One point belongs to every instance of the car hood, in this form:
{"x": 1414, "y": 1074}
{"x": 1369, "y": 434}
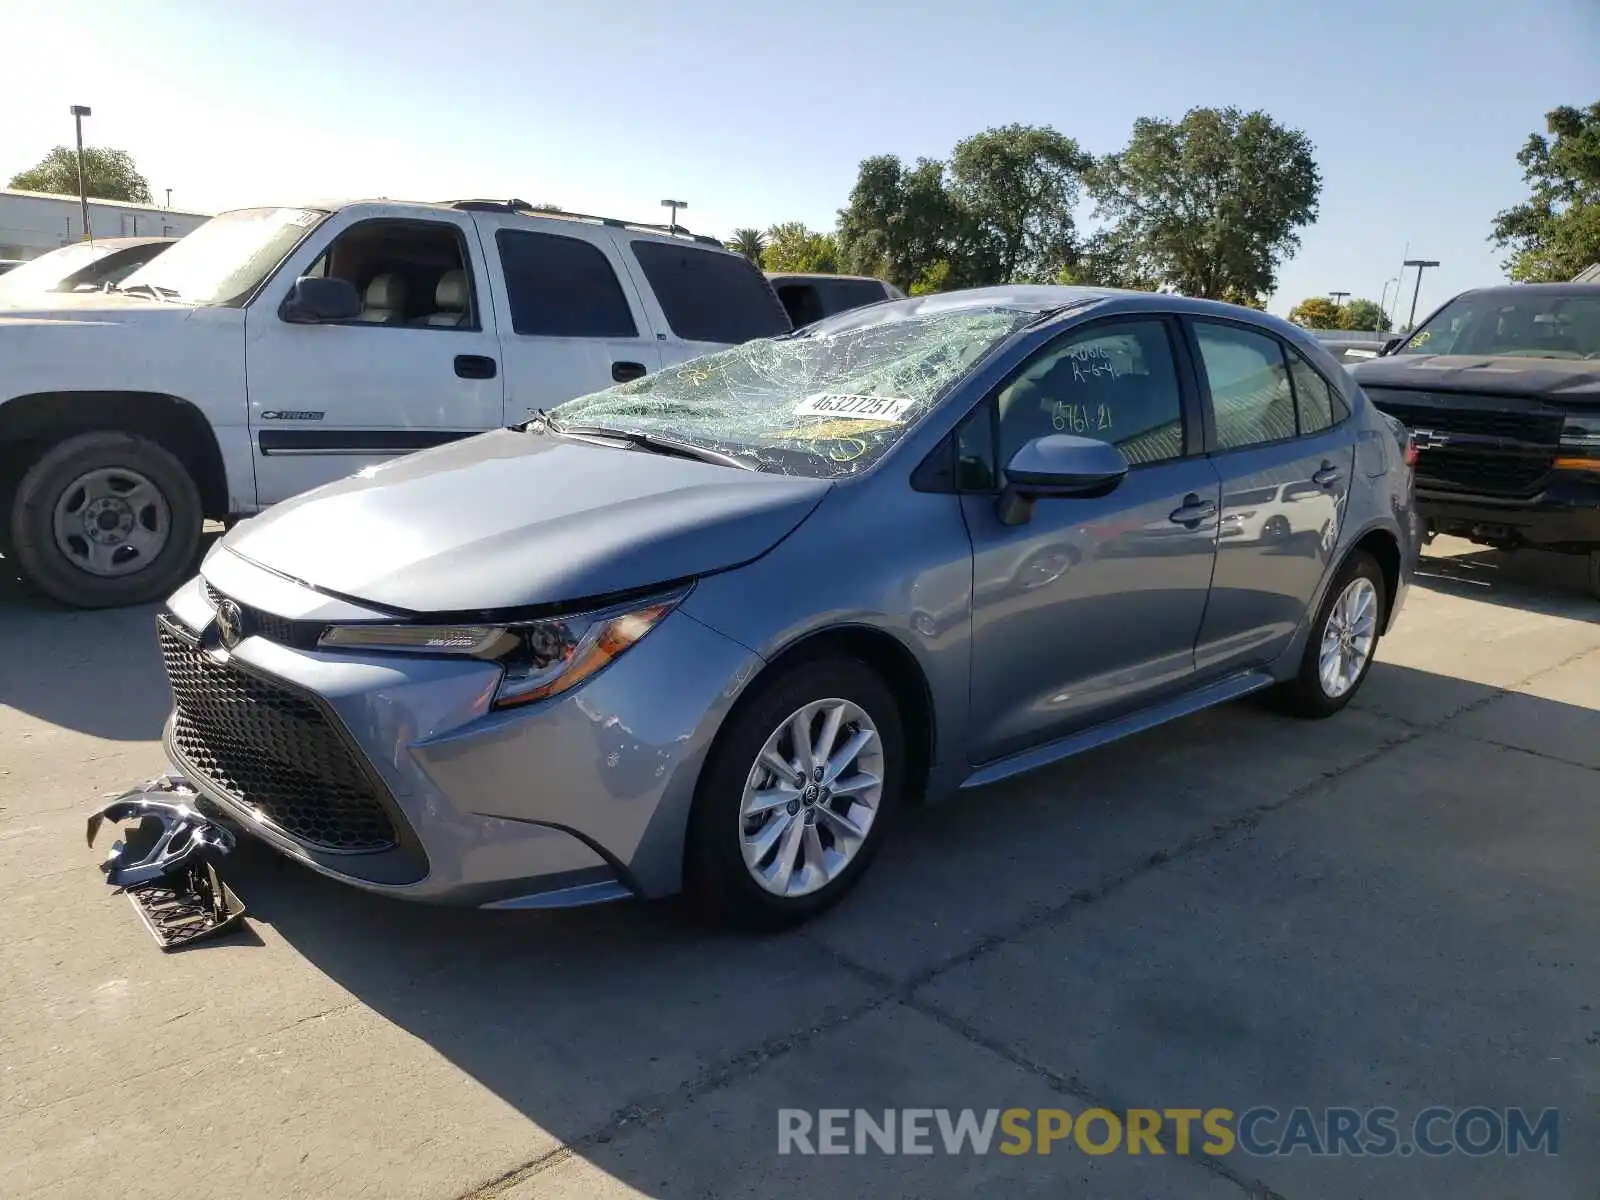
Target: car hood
{"x": 86, "y": 308}
{"x": 1557, "y": 380}
{"x": 509, "y": 520}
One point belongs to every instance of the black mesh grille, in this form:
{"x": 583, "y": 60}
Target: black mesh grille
{"x": 274, "y": 750}
{"x": 1536, "y": 429}
{"x": 264, "y": 624}
{"x": 1484, "y": 473}
{"x": 1499, "y": 453}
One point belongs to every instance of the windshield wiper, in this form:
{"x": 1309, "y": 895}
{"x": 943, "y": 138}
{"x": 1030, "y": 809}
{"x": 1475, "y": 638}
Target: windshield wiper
{"x": 149, "y": 289}
{"x": 657, "y": 443}
{"x": 538, "y": 417}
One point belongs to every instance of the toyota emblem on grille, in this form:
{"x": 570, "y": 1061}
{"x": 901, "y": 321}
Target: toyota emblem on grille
{"x": 230, "y": 623}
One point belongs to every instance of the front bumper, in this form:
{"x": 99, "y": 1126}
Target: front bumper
{"x": 581, "y": 798}
{"x": 1564, "y": 516}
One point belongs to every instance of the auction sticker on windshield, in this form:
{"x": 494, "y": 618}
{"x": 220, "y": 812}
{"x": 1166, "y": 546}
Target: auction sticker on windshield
{"x": 860, "y": 408}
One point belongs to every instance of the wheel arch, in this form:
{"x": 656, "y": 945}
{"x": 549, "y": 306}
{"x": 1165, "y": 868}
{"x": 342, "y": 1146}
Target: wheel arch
{"x": 899, "y": 668}
{"x": 31, "y": 423}
{"x": 1384, "y": 547}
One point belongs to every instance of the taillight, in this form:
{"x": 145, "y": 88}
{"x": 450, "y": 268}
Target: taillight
{"x": 1411, "y": 451}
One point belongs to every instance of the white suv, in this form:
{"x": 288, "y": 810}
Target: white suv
{"x": 276, "y": 349}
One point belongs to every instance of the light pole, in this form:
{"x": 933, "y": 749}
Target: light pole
{"x": 1420, "y": 264}
{"x": 79, "y": 112}
{"x": 674, "y": 205}
{"x": 169, "y": 198}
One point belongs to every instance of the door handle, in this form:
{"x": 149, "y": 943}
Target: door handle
{"x": 475, "y": 366}
{"x": 623, "y": 372}
{"x": 1327, "y": 476}
{"x": 1193, "y": 511}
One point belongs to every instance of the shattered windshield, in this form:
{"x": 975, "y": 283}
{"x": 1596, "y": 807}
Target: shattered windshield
{"x": 821, "y": 404}
{"x": 1535, "y": 325}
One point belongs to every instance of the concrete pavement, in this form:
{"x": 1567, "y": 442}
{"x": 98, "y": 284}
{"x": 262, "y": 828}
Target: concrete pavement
{"x": 1395, "y": 907}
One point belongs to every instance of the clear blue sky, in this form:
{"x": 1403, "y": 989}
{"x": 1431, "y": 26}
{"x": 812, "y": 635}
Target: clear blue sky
{"x": 757, "y": 113}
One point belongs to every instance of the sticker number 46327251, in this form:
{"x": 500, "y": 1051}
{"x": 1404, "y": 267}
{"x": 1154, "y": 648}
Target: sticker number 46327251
{"x": 863, "y": 408}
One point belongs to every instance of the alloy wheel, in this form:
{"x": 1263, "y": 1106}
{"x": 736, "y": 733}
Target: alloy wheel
{"x": 811, "y": 797}
{"x": 1348, "y": 637}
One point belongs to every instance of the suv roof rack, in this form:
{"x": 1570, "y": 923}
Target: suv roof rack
{"x": 523, "y": 208}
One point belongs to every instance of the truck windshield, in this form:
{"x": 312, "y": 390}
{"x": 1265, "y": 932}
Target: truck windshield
{"x": 224, "y": 260}
{"x": 827, "y": 404}
{"x": 1535, "y": 325}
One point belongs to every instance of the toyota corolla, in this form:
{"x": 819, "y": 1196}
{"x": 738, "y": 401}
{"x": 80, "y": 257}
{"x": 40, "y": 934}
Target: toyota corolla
{"x": 712, "y": 629}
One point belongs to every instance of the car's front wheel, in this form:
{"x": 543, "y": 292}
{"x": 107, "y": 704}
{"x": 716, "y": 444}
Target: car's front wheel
{"x": 1343, "y": 641}
{"x": 796, "y": 797}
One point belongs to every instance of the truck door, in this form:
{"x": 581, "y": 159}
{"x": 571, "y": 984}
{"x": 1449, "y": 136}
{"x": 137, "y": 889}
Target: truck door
{"x": 568, "y": 323}
{"x": 419, "y": 366}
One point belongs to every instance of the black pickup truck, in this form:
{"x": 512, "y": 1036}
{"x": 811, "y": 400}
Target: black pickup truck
{"x": 1500, "y": 389}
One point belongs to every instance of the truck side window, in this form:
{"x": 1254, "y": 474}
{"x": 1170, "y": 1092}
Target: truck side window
{"x": 562, "y": 287}
{"x": 710, "y": 295}
{"x": 408, "y": 273}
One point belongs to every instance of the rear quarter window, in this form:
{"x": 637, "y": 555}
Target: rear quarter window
{"x": 708, "y": 296}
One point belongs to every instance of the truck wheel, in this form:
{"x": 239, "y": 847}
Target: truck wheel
{"x": 106, "y": 519}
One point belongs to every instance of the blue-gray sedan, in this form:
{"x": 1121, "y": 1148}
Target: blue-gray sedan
{"x": 713, "y": 628}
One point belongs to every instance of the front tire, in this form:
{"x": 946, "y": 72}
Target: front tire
{"x": 1343, "y": 641}
{"x": 797, "y": 796}
{"x": 105, "y": 519}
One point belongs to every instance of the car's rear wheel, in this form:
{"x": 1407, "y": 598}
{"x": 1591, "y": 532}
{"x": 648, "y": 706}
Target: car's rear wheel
{"x": 797, "y": 796}
{"x": 105, "y": 519}
{"x": 1343, "y": 641}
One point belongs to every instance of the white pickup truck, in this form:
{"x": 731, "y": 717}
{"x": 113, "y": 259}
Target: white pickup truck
{"x": 276, "y": 349}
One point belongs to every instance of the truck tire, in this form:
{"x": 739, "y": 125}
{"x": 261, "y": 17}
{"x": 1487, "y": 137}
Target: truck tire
{"x": 105, "y": 519}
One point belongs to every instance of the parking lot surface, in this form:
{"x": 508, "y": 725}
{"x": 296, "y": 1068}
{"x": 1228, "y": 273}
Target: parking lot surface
{"x": 1396, "y": 907}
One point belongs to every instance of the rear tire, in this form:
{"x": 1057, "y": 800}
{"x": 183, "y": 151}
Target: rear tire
{"x": 827, "y": 861}
{"x": 147, "y": 500}
{"x": 1349, "y": 625}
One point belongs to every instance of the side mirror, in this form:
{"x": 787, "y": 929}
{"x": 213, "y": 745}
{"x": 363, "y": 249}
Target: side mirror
{"x": 312, "y": 300}
{"x": 1058, "y": 465}
{"x": 1388, "y": 346}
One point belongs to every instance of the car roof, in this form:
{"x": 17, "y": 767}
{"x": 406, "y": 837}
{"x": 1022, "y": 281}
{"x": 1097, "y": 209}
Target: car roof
{"x": 820, "y": 275}
{"x": 1510, "y": 291}
{"x": 516, "y": 208}
{"x": 1051, "y": 298}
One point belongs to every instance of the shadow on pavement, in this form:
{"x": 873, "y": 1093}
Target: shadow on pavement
{"x": 97, "y": 672}
{"x": 1532, "y": 580}
{"x": 592, "y": 1022}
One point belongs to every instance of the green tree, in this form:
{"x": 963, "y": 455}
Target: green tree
{"x": 1016, "y": 188}
{"x": 900, "y": 222}
{"x": 1317, "y": 312}
{"x": 793, "y": 247}
{"x": 935, "y": 279}
{"x": 107, "y": 175}
{"x": 1555, "y": 233}
{"x": 1364, "y": 314}
{"x": 748, "y": 242}
{"x": 1211, "y": 204}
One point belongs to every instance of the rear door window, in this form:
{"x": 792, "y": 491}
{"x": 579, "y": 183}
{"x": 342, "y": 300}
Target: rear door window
{"x": 708, "y": 296}
{"x": 840, "y": 295}
{"x": 562, "y": 287}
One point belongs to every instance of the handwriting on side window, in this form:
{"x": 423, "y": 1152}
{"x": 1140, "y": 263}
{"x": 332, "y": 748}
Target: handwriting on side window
{"x": 1091, "y": 361}
{"x": 1080, "y": 418}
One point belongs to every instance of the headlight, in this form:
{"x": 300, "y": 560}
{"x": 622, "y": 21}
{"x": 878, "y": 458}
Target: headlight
{"x": 540, "y": 658}
{"x": 1580, "y": 444}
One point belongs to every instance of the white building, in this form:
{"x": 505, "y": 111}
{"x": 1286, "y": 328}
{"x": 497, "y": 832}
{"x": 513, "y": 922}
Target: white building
{"x": 33, "y": 222}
